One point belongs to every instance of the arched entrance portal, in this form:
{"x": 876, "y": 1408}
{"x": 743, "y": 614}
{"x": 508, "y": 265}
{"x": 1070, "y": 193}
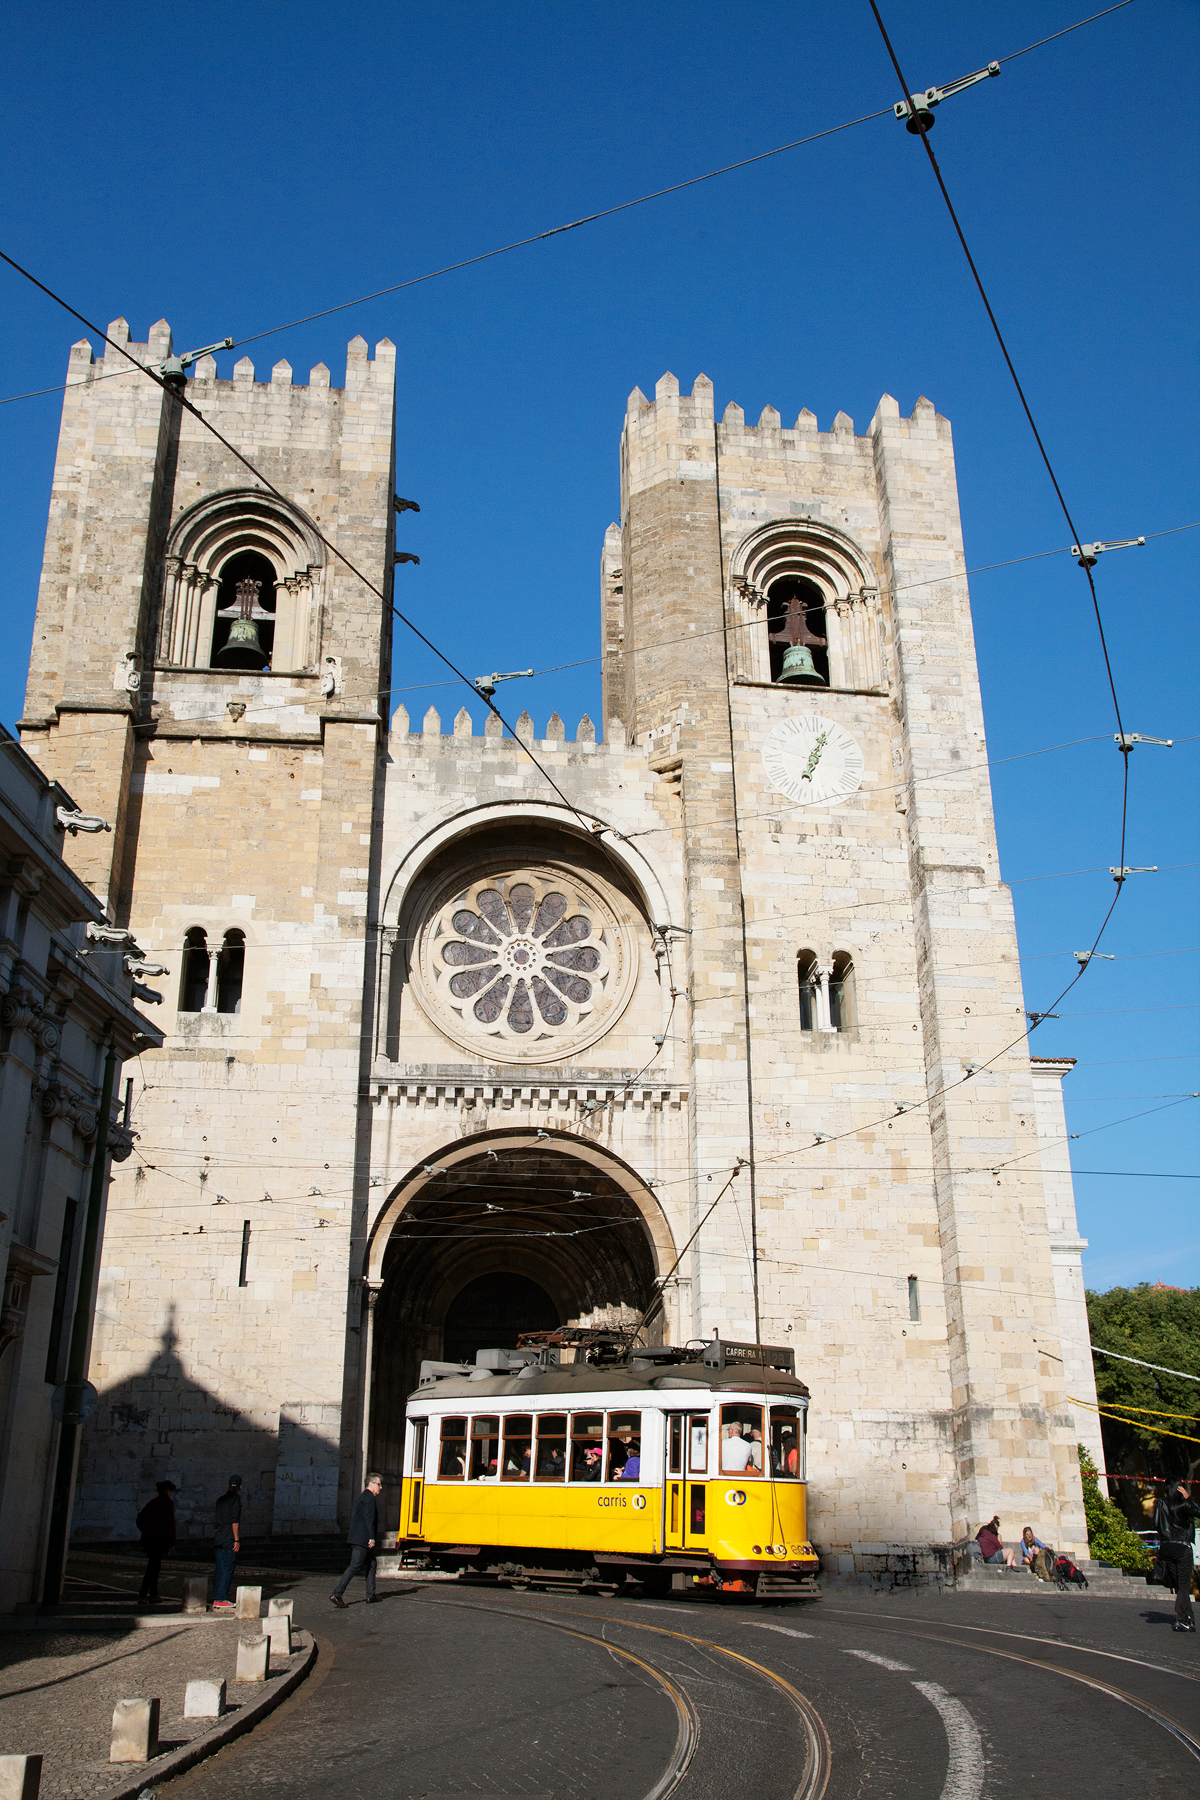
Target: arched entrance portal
{"x": 498, "y": 1236}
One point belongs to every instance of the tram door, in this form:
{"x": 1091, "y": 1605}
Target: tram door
{"x": 685, "y": 1492}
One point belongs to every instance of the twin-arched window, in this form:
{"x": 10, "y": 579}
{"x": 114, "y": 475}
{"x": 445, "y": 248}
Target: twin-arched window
{"x": 210, "y": 979}
{"x": 827, "y": 992}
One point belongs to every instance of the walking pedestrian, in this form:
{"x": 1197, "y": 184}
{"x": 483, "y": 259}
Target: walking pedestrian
{"x": 156, "y": 1522}
{"x": 227, "y": 1517}
{"x": 361, "y": 1539}
{"x": 1174, "y": 1520}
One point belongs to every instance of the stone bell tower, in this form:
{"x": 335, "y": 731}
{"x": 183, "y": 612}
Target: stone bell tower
{"x": 206, "y": 677}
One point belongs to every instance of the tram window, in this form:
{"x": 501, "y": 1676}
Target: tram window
{"x": 696, "y": 1512}
{"x": 518, "y": 1448}
{"x": 787, "y": 1450}
{"x": 420, "y": 1427}
{"x": 624, "y": 1446}
{"x": 485, "y": 1448}
{"x": 698, "y": 1445}
{"x": 453, "y": 1461}
{"x": 551, "y": 1447}
{"x": 741, "y": 1440}
{"x": 675, "y": 1446}
{"x": 587, "y": 1446}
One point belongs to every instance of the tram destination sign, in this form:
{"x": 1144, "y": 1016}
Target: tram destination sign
{"x": 722, "y": 1353}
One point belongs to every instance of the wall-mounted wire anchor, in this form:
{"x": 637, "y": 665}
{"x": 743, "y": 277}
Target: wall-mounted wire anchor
{"x": 220, "y": 1200}
{"x": 539, "y": 1133}
{"x": 668, "y": 1038}
{"x": 375, "y": 1181}
{"x": 918, "y": 114}
{"x": 820, "y": 1137}
{"x": 901, "y": 1106}
{"x": 266, "y": 1196}
{"x": 317, "y": 1192}
{"x": 429, "y": 1168}
{"x": 1119, "y": 875}
{"x": 1035, "y": 1018}
{"x": 969, "y": 1069}
{"x": 1086, "y": 554}
{"x": 581, "y": 1194}
{"x": 1126, "y": 740}
{"x": 679, "y": 993}
{"x": 1084, "y": 957}
{"x": 485, "y": 685}
{"x": 175, "y": 368}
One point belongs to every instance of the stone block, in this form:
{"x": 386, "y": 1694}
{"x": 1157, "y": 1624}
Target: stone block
{"x": 277, "y": 1628}
{"x": 195, "y": 1594}
{"x": 204, "y": 1700}
{"x": 249, "y": 1602}
{"x": 279, "y": 1608}
{"x": 134, "y": 1731}
{"x": 20, "y": 1777}
{"x": 253, "y": 1656}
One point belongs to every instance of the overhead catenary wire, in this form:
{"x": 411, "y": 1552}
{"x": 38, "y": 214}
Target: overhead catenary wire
{"x": 593, "y": 218}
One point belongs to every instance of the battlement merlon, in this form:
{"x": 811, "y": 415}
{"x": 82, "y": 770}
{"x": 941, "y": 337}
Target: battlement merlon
{"x": 672, "y": 436}
{"x": 84, "y": 367}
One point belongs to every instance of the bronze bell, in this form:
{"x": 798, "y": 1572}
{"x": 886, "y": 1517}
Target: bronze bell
{"x": 242, "y": 649}
{"x": 798, "y": 666}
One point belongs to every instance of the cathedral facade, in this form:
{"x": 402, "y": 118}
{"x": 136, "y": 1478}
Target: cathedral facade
{"x": 713, "y": 1015}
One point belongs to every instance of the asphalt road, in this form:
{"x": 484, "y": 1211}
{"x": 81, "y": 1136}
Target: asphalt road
{"x": 451, "y": 1689}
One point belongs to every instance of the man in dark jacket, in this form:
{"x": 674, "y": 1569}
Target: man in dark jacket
{"x": 227, "y": 1541}
{"x": 1174, "y": 1520}
{"x": 361, "y": 1539}
{"x": 156, "y": 1522}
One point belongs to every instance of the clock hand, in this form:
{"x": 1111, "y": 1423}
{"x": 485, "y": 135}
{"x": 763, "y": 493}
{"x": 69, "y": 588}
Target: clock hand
{"x": 814, "y": 758}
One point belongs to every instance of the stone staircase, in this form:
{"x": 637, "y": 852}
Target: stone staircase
{"x": 987, "y": 1578}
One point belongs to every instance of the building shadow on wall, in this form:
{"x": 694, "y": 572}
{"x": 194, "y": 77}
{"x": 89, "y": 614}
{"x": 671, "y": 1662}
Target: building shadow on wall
{"x": 162, "y": 1424}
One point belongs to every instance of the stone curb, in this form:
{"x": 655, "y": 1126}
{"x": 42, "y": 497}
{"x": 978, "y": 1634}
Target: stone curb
{"x": 248, "y": 1715}
{"x": 111, "y": 1622}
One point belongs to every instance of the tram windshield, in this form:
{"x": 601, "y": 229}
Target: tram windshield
{"x": 624, "y": 1446}
{"x": 518, "y": 1447}
{"x": 741, "y": 1440}
{"x": 551, "y": 1447}
{"x": 787, "y": 1443}
{"x": 485, "y": 1448}
{"x": 452, "y": 1463}
{"x": 587, "y": 1446}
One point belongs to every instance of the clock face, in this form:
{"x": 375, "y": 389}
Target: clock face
{"x": 812, "y": 760}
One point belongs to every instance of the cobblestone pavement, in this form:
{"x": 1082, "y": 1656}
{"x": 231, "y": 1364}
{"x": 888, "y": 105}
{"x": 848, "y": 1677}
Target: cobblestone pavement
{"x": 58, "y": 1691}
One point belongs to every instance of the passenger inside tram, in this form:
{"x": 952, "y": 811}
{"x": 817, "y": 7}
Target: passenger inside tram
{"x": 735, "y": 1451}
{"x": 551, "y": 1462}
{"x": 587, "y": 1446}
{"x": 633, "y": 1463}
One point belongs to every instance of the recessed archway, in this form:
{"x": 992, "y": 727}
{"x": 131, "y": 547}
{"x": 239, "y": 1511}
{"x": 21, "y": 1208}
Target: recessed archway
{"x": 538, "y": 1224}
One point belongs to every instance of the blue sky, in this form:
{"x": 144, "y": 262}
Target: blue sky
{"x": 234, "y": 167}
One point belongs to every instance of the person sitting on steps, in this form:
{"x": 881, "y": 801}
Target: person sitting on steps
{"x": 992, "y": 1544}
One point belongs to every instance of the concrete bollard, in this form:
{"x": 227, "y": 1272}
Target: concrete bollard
{"x": 195, "y": 1594}
{"x": 253, "y": 1657}
{"x": 279, "y": 1609}
{"x": 20, "y": 1777}
{"x": 134, "y": 1731}
{"x": 204, "y": 1700}
{"x": 249, "y": 1602}
{"x": 278, "y": 1628}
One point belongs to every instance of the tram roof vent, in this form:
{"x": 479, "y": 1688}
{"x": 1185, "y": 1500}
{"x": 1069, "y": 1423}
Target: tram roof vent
{"x": 442, "y": 1371}
{"x": 723, "y": 1353}
{"x": 503, "y": 1362}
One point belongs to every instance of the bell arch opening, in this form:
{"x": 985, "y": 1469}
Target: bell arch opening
{"x": 508, "y": 1237}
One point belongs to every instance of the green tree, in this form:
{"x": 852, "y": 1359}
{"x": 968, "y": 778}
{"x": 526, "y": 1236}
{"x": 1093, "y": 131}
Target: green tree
{"x": 1109, "y": 1538}
{"x": 1157, "y": 1325}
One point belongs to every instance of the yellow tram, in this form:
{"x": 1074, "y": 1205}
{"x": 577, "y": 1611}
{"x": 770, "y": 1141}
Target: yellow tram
{"x": 668, "y": 1466}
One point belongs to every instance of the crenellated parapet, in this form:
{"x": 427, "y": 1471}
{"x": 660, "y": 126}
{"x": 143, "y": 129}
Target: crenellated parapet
{"x": 493, "y": 735}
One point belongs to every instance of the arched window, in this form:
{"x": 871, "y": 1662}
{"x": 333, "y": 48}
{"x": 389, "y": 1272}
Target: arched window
{"x": 796, "y": 633}
{"x": 244, "y": 626}
{"x": 228, "y": 539}
{"x": 810, "y": 981}
{"x": 842, "y": 1013}
{"x": 193, "y": 977}
{"x": 231, "y": 965}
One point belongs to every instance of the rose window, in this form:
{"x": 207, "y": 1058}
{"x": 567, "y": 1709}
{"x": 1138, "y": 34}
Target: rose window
{"x": 524, "y": 963}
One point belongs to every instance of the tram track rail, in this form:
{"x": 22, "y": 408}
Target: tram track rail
{"x": 1148, "y": 1711}
{"x": 818, "y": 1748}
